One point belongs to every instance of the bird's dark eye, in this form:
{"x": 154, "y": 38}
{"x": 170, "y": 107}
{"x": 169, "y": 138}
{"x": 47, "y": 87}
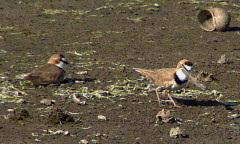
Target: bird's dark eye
{"x": 188, "y": 63}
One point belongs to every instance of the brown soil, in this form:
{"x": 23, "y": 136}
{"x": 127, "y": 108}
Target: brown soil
{"x": 104, "y": 40}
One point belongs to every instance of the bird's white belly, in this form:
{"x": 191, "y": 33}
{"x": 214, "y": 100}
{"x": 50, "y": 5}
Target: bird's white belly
{"x": 176, "y": 86}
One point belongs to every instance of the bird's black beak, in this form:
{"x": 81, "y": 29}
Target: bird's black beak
{"x": 64, "y": 60}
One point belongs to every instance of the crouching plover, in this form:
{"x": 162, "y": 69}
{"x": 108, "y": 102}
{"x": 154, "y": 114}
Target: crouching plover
{"x": 172, "y": 79}
{"x": 50, "y": 73}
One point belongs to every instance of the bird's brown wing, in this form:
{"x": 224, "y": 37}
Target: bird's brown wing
{"x": 47, "y": 74}
{"x": 161, "y": 77}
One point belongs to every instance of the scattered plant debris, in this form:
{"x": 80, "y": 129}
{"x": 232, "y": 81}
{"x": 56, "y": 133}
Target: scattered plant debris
{"x": 59, "y": 116}
{"x": 205, "y": 76}
{"x": 165, "y": 116}
{"x": 177, "y": 133}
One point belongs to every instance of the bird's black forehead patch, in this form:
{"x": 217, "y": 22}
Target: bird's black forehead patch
{"x": 188, "y": 63}
{"x": 61, "y": 55}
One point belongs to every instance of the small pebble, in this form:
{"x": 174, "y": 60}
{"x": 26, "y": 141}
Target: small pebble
{"x": 10, "y": 110}
{"x": 47, "y": 102}
{"x": 120, "y": 106}
{"x": 234, "y": 126}
{"x": 164, "y": 116}
{"x": 213, "y": 120}
{"x": 156, "y": 5}
{"x": 66, "y": 133}
{"x": 3, "y": 78}
{"x": 123, "y": 99}
{"x": 21, "y": 101}
{"x": 37, "y": 140}
{"x": 222, "y": 60}
{"x": 83, "y": 141}
{"x": 94, "y": 141}
{"x": 176, "y": 132}
{"x": 234, "y": 116}
{"x": 102, "y": 118}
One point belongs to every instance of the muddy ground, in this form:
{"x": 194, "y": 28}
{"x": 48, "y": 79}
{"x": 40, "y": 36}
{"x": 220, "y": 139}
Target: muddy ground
{"x": 104, "y": 40}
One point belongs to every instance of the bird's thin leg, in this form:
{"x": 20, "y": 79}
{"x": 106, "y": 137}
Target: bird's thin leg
{"x": 156, "y": 90}
{"x": 169, "y": 96}
{"x": 149, "y": 88}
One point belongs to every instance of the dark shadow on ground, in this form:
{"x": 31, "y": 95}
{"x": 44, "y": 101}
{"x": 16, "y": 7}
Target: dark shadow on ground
{"x": 72, "y": 80}
{"x": 233, "y": 29}
{"x": 193, "y": 102}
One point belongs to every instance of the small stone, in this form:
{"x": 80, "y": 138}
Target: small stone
{"x": 120, "y": 106}
{"x": 83, "y": 141}
{"x": 47, "y": 102}
{"x": 37, "y": 140}
{"x": 176, "y": 132}
{"x": 35, "y": 134}
{"x": 3, "y": 79}
{"x": 10, "y": 110}
{"x": 234, "y": 116}
{"x": 66, "y": 133}
{"x": 204, "y": 114}
{"x": 234, "y": 126}
{"x": 83, "y": 103}
{"x": 100, "y": 135}
{"x": 165, "y": 116}
{"x": 102, "y": 118}
{"x": 156, "y": 5}
{"x": 21, "y": 101}
{"x": 94, "y": 141}
{"x": 205, "y": 76}
{"x": 20, "y": 2}
{"x": 123, "y": 99}
{"x": 1, "y": 37}
{"x": 213, "y": 120}
{"x": 222, "y": 60}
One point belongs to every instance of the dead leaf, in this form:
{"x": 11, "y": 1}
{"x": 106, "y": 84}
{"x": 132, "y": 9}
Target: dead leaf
{"x": 165, "y": 116}
{"x": 205, "y": 76}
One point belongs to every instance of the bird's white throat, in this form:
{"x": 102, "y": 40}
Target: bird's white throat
{"x": 181, "y": 75}
{"x": 188, "y": 68}
{"x": 60, "y": 65}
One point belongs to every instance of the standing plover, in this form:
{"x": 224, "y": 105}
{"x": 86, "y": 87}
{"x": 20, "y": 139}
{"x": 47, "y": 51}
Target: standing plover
{"x": 171, "y": 79}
